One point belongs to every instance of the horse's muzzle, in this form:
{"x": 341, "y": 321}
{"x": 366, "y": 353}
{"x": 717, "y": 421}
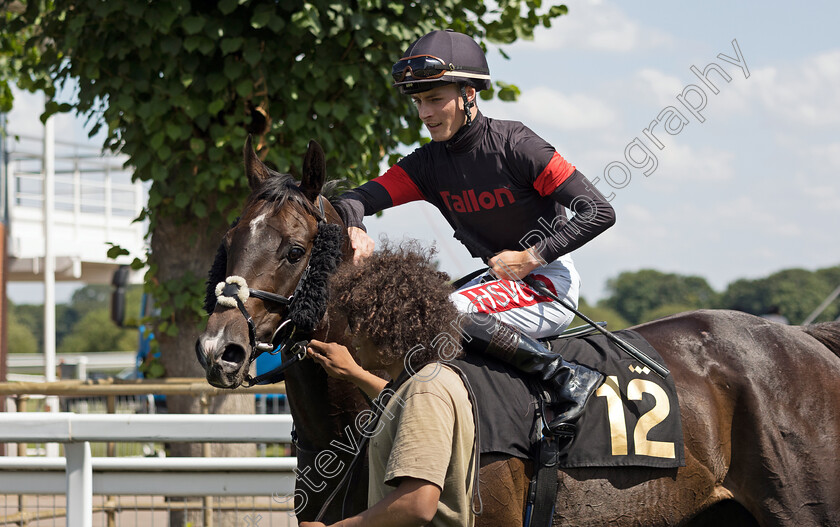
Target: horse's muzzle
{"x": 223, "y": 370}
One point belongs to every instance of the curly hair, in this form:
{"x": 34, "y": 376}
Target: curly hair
{"x": 398, "y": 298}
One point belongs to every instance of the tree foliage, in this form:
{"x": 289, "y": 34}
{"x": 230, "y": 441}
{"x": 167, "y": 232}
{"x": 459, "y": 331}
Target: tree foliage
{"x": 599, "y": 314}
{"x": 636, "y": 294}
{"x": 82, "y": 325}
{"x": 20, "y": 338}
{"x": 793, "y": 293}
{"x": 95, "y": 332}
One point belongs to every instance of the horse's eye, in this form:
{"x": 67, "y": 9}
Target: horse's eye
{"x": 295, "y": 254}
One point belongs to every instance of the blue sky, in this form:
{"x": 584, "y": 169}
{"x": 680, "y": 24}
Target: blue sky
{"x": 749, "y": 191}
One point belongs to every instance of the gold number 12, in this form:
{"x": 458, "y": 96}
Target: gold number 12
{"x": 651, "y": 418}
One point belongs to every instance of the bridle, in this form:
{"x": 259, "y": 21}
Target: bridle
{"x": 234, "y": 291}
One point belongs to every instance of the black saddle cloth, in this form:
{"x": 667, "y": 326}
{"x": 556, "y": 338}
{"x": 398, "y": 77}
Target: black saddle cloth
{"x": 643, "y": 430}
{"x": 506, "y": 405}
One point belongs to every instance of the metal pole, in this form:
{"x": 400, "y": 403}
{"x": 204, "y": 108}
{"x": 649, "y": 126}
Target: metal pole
{"x": 820, "y": 308}
{"x": 21, "y": 407}
{"x": 205, "y": 452}
{"x": 49, "y": 267}
{"x": 111, "y": 514}
{"x": 3, "y": 225}
{"x": 79, "y": 484}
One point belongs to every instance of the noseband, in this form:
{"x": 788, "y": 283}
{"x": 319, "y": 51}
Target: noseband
{"x": 233, "y": 292}
{"x": 305, "y": 307}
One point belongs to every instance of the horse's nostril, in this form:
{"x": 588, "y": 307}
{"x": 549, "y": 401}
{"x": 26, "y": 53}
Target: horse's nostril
{"x": 234, "y": 353}
{"x": 199, "y": 353}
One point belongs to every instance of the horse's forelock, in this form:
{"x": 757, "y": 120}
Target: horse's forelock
{"x": 278, "y": 191}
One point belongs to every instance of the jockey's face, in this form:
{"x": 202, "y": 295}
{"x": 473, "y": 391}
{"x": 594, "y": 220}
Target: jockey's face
{"x": 442, "y": 110}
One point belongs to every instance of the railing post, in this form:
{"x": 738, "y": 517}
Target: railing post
{"x": 21, "y": 407}
{"x": 79, "y": 484}
{"x": 110, "y": 501}
{"x": 205, "y": 452}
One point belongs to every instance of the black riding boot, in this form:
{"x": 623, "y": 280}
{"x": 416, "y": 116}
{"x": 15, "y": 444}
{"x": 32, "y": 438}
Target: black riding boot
{"x": 570, "y": 385}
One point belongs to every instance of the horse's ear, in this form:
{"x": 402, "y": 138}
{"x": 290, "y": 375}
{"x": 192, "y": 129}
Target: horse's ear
{"x": 255, "y": 169}
{"x": 314, "y": 171}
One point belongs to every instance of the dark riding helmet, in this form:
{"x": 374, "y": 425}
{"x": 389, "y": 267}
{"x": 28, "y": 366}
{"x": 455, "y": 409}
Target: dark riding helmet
{"x": 439, "y": 58}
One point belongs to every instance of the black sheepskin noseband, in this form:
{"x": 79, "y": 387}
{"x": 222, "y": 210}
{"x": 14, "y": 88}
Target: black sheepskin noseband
{"x": 310, "y": 300}
{"x": 310, "y": 304}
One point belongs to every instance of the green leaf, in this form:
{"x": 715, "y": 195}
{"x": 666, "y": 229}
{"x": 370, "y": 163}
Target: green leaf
{"x": 174, "y": 131}
{"x": 252, "y": 53}
{"x": 322, "y": 107}
{"x": 216, "y": 82}
{"x": 115, "y": 251}
{"x": 340, "y": 111}
{"x": 233, "y": 69}
{"x": 216, "y": 106}
{"x": 170, "y": 45}
{"x": 199, "y": 209}
{"x": 262, "y": 16}
{"x": 156, "y": 140}
{"x": 508, "y": 92}
{"x": 192, "y": 43}
{"x": 244, "y": 87}
{"x": 229, "y": 45}
{"x": 192, "y": 24}
{"x": 197, "y": 145}
{"x": 227, "y": 6}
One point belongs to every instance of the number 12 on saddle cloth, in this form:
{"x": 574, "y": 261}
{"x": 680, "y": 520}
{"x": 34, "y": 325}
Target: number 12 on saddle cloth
{"x": 633, "y": 419}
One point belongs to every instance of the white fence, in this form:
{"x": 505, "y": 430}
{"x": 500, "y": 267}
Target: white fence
{"x": 80, "y": 476}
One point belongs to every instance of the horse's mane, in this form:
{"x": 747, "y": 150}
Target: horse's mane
{"x": 280, "y": 188}
{"x": 828, "y": 333}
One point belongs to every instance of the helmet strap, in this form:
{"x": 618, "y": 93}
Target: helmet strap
{"x": 468, "y": 105}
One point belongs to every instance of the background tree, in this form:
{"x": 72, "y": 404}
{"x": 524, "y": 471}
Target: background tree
{"x": 794, "y": 293}
{"x": 599, "y": 313}
{"x": 20, "y": 337}
{"x": 635, "y": 294}
{"x": 95, "y": 332}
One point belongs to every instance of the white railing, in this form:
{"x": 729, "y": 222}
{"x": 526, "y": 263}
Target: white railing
{"x": 80, "y": 476}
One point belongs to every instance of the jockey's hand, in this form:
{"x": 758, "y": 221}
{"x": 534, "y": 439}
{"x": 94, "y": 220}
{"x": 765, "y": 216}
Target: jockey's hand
{"x": 513, "y": 265}
{"x": 312, "y": 524}
{"x": 362, "y": 244}
{"x": 334, "y": 358}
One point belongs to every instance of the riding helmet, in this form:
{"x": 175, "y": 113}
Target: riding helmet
{"x": 448, "y": 57}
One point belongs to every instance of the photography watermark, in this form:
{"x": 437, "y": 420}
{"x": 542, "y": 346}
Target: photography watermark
{"x": 327, "y": 463}
{"x": 671, "y": 120}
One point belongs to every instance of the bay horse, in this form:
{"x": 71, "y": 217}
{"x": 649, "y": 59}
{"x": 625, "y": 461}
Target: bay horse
{"x": 758, "y": 400}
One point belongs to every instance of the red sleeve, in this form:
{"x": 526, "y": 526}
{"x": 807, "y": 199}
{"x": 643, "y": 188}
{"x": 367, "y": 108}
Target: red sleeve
{"x": 399, "y": 186}
{"x": 554, "y": 174}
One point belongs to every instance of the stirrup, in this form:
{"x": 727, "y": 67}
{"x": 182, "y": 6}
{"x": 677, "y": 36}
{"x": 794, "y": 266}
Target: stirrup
{"x": 560, "y": 430}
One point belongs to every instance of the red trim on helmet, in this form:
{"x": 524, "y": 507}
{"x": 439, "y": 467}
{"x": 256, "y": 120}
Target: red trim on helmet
{"x": 554, "y": 174}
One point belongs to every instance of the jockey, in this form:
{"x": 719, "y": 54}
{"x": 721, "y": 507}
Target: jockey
{"x": 505, "y": 192}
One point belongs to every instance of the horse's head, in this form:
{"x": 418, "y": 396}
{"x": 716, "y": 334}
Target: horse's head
{"x": 267, "y": 288}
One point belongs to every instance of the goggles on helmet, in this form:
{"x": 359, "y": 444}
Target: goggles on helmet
{"x": 420, "y": 66}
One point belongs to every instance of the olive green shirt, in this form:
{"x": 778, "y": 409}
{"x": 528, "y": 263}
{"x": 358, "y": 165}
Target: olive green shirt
{"x": 427, "y": 432}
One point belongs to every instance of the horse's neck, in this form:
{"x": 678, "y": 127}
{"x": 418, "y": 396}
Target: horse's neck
{"x": 322, "y": 407}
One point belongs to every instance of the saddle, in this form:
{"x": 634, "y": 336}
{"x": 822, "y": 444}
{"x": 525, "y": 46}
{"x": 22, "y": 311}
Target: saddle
{"x": 632, "y": 420}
